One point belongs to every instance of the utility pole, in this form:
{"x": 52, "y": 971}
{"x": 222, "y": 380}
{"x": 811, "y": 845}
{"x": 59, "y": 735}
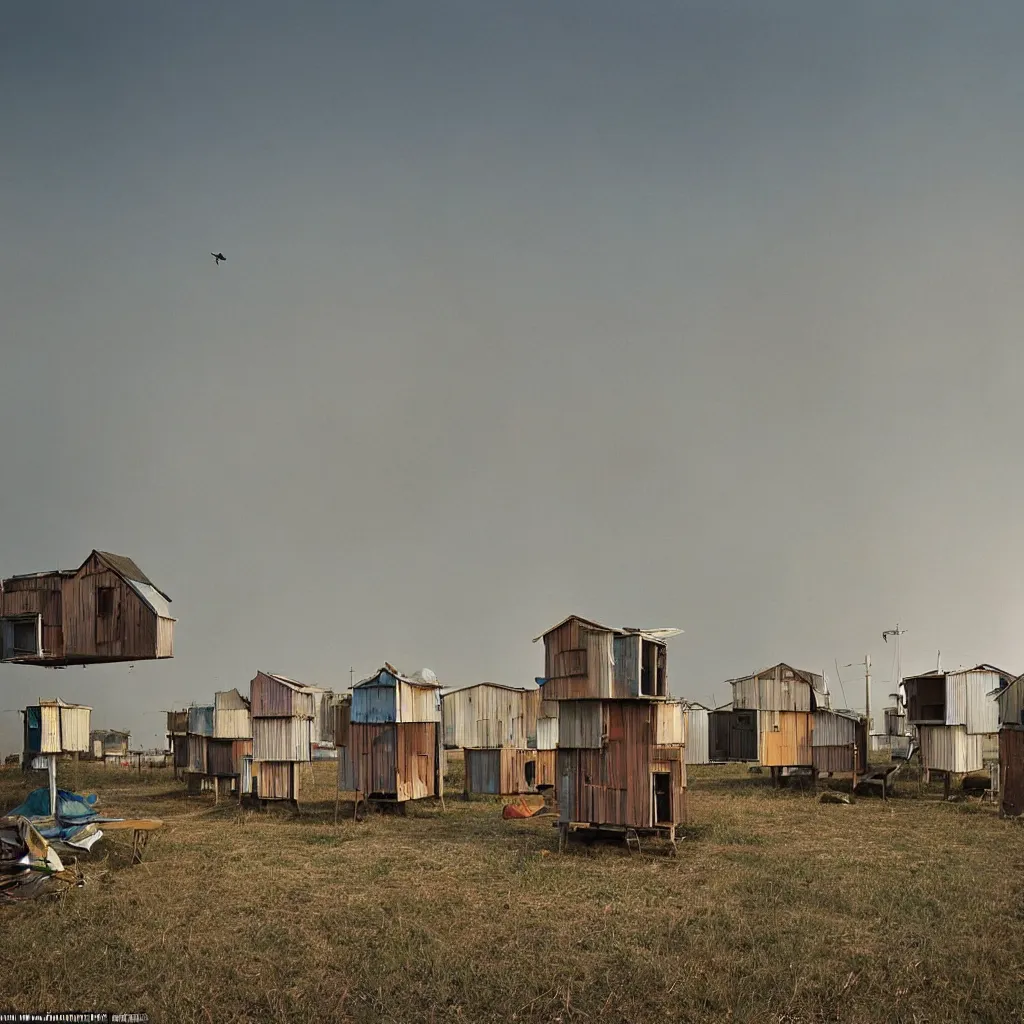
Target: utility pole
{"x": 351, "y": 676}
{"x": 867, "y": 690}
{"x": 897, "y": 632}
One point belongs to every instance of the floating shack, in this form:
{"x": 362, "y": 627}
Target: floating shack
{"x": 107, "y": 610}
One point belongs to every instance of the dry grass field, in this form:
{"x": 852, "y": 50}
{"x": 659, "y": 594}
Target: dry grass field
{"x": 778, "y": 908}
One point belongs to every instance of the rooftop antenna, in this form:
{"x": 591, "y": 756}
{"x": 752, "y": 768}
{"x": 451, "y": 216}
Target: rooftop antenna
{"x": 938, "y": 661}
{"x": 351, "y": 676}
{"x": 897, "y": 632}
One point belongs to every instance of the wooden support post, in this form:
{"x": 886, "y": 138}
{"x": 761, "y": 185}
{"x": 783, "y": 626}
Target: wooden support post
{"x": 853, "y": 787}
{"x": 946, "y": 785}
{"x": 51, "y": 767}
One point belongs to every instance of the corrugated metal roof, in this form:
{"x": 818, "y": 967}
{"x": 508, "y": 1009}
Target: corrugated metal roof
{"x": 124, "y": 566}
{"x": 390, "y": 670}
{"x": 656, "y": 634}
{"x": 153, "y": 598}
{"x": 292, "y": 684}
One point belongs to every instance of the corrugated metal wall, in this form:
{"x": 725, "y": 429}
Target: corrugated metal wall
{"x": 418, "y": 703}
{"x": 231, "y": 718}
{"x": 508, "y": 710}
{"x": 547, "y": 733}
{"x": 49, "y": 722}
{"x": 785, "y": 740}
{"x": 224, "y": 757}
{"x": 281, "y": 739}
{"x": 627, "y": 666}
{"x": 775, "y": 689}
{"x": 1011, "y": 704}
{"x": 200, "y": 720}
{"x": 197, "y": 764}
{"x": 600, "y": 663}
{"x": 272, "y": 698}
{"x": 374, "y": 705}
{"x": 397, "y": 760}
{"x": 277, "y": 780}
{"x": 669, "y": 724}
{"x": 483, "y": 771}
{"x": 949, "y": 748}
{"x": 697, "y": 736}
{"x": 982, "y": 711}
{"x": 613, "y": 785}
{"x": 832, "y": 730}
{"x": 1011, "y": 771}
{"x": 580, "y": 724}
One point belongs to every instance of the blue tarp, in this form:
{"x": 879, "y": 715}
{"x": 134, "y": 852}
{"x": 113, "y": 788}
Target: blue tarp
{"x": 73, "y": 812}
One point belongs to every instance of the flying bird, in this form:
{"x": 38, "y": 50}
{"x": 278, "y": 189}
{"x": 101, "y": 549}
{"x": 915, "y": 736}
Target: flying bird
{"x": 218, "y": 256}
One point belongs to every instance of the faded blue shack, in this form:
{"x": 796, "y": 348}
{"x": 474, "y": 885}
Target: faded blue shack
{"x": 392, "y": 743}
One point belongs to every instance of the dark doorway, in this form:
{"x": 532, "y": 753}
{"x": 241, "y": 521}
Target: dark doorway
{"x": 661, "y": 783}
{"x": 530, "y": 772}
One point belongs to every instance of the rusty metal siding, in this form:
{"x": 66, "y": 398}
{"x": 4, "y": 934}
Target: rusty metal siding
{"x": 580, "y": 724}
{"x": 224, "y": 757}
{"x": 600, "y": 662}
{"x": 342, "y": 721}
{"x": 281, "y": 739}
{"x": 950, "y": 748}
{"x": 1011, "y": 771}
{"x": 697, "y": 736}
{"x": 277, "y": 780}
{"x": 272, "y": 697}
{"x": 612, "y": 785}
{"x": 397, "y": 760}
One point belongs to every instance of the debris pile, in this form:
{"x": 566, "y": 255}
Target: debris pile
{"x": 29, "y": 866}
{"x": 76, "y": 823}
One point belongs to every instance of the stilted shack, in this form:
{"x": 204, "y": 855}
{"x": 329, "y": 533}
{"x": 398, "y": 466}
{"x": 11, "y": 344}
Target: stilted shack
{"x": 620, "y": 760}
{"x": 393, "y": 750}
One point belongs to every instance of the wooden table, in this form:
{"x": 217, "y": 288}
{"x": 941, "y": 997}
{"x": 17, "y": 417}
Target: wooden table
{"x": 140, "y": 829}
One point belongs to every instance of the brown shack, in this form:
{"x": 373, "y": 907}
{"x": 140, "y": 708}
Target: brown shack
{"x": 107, "y": 610}
{"x": 393, "y": 750}
{"x": 620, "y": 760}
{"x": 1011, "y": 749}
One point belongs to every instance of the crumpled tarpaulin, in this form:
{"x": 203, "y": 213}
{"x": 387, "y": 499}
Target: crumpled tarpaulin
{"x": 29, "y": 866}
{"x": 76, "y": 822}
{"x": 523, "y": 808}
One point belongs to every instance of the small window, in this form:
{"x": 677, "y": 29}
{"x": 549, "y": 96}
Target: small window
{"x": 104, "y": 602}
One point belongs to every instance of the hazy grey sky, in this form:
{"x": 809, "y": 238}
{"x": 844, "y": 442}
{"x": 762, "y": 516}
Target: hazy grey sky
{"x": 679, "y": 314}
